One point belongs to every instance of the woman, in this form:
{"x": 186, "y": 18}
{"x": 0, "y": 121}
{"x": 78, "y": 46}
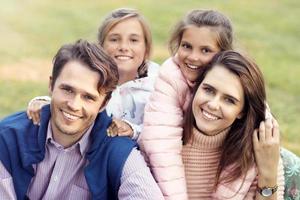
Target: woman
{"x": 227, "y": 111}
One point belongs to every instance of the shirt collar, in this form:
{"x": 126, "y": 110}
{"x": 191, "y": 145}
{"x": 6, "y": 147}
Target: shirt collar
{"x": 83, "y": 144}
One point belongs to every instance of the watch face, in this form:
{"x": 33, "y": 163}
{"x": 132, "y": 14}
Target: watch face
{"x": 266, "y": 192}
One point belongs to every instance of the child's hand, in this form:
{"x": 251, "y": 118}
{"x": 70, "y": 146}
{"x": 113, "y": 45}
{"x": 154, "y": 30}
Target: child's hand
{"x": 119, "y": 128}
{"x": 34, "y": 110}
{"x": 266, "y": 142}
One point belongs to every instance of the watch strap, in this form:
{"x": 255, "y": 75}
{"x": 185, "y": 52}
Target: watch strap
{"x": 272, "y": 189}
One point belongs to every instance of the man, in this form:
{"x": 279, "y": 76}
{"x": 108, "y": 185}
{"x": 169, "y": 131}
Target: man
{"x": 69, "y": 156}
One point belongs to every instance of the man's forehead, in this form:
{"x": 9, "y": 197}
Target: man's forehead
{"x": 79, "y": 76}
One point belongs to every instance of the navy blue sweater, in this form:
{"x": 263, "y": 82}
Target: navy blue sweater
{"x": 22, "y": 144}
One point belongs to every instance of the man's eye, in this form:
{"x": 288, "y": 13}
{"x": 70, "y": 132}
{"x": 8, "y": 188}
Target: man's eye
{"x": 88, "y": 97}
{"x": 67, "y": 90}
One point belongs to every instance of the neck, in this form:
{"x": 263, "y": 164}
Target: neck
{"x": 125, "y": 78}
{"x": 65, "y": 139}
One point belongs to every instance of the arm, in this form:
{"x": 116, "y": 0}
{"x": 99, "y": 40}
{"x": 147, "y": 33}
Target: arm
{"x": 120, "y": 127}
{"x": 266, "y": 143}
{"x": 34, "y": 107}
{"x": 137, "y": 181}
{"x": 162, "y": 131}
{"x": 7, "y": 190}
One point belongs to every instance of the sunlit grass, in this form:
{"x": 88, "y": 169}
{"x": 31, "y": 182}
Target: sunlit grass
{"x": 268, "y": 30}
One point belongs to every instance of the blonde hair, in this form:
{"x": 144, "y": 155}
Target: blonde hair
{"x": 204, "y": 18}
{"x": 120, "y": 15}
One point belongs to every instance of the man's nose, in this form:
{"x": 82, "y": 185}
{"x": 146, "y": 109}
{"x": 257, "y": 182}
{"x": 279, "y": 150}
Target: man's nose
{"x": 75, "y": 103}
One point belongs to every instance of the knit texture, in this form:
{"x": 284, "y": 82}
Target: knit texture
{"x": 201, "y": 157}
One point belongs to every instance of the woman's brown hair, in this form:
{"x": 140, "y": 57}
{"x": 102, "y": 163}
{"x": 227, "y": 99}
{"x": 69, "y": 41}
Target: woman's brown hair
{"x": 237, "y": 149}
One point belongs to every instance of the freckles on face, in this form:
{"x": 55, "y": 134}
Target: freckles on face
{"x": 125, "y": 43}
{"x": 219, "y": 101}
{"x": 197, "y": 47}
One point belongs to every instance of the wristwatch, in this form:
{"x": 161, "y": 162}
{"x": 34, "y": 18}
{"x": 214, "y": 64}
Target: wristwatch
{"x": 267, "y": 191}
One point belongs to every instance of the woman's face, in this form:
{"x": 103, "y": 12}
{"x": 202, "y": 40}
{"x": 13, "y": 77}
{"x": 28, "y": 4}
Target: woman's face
{"x": 125, "y": 43}
{"x": 218, "y": 102}
{"x": 197, "y": 47}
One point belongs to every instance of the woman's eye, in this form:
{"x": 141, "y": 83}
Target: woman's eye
{"x": 206, "y": 50}
{"x": 186, "y": 46}
{"x": 230, "y": 100}
{"x": 208, "y": 90}
{"x": 134, "y": 40}
{"x": 113, "y": 39}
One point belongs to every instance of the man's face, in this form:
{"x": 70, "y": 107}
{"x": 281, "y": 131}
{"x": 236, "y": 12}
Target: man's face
{"x": 75, "y": 102}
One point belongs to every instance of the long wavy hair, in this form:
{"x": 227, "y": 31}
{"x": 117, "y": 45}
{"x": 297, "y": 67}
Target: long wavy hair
{"x": 237, "y": 149}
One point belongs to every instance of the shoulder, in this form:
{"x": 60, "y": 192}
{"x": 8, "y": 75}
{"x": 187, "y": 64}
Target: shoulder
{"x": 153, "y": 69}
{"x": 15, "y": 122}
{"x": 121, "y": 145}
{"x": 169, "y": 64}
{"x": 171, "y": 72}
{"x": 171, "y": 81}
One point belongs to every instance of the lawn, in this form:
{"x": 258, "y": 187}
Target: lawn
{"x": 31, "y": 31}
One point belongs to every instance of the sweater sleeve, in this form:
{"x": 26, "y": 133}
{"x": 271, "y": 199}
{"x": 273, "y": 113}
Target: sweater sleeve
{"x": 246, "y": 190}
{"x": 280, "y": 182}
{"x": 162, "y": 132}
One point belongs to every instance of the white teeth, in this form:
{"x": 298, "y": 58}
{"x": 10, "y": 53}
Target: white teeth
{"x": 70, "y": 117}
{"x": 209, "y": 116}
{"x": 192, "y": 66}
{"x": 123, "y": 57}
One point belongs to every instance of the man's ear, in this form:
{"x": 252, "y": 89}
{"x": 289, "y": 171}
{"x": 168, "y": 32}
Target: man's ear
{"x": 105, "y": 102}
{"x": 50, "y": 88}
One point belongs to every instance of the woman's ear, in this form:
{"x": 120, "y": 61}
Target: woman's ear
{"x": 241, "y": 115}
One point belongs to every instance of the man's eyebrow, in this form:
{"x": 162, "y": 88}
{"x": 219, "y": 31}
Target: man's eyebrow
{"x": 91, "y": 95}
{"x": 63, "y": 85}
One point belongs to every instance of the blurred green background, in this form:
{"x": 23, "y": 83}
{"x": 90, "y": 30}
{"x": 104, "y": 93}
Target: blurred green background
{"x": 31, "y": 31}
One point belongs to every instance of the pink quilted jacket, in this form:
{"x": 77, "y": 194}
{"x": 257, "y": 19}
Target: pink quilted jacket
{"x": 161, "y": 142}
{"x": 161, "y": 137}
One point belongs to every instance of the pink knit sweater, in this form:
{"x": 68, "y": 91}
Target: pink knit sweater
{"x": 201, "y": 156}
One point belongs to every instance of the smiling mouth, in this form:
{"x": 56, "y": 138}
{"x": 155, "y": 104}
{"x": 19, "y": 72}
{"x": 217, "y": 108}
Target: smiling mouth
{"x": 70, "y": 117}
{"x": 209, "y": 116}
{"x": 193, "y": 67}
{"x": 123, "y": 58}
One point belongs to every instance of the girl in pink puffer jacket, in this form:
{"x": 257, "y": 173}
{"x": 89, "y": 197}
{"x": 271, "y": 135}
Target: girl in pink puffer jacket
{"x": 194, "y": 42}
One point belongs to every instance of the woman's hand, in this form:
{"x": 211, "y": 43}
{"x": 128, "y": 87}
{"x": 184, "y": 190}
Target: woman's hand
{"x": 119, "y": 128}
{"x": 34, "y": 109}
{"x": 266, "y": 141}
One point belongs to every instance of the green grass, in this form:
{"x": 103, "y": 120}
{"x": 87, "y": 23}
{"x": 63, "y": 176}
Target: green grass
{"x": 268, "y": 30}
{"x": 16, "y": 95}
